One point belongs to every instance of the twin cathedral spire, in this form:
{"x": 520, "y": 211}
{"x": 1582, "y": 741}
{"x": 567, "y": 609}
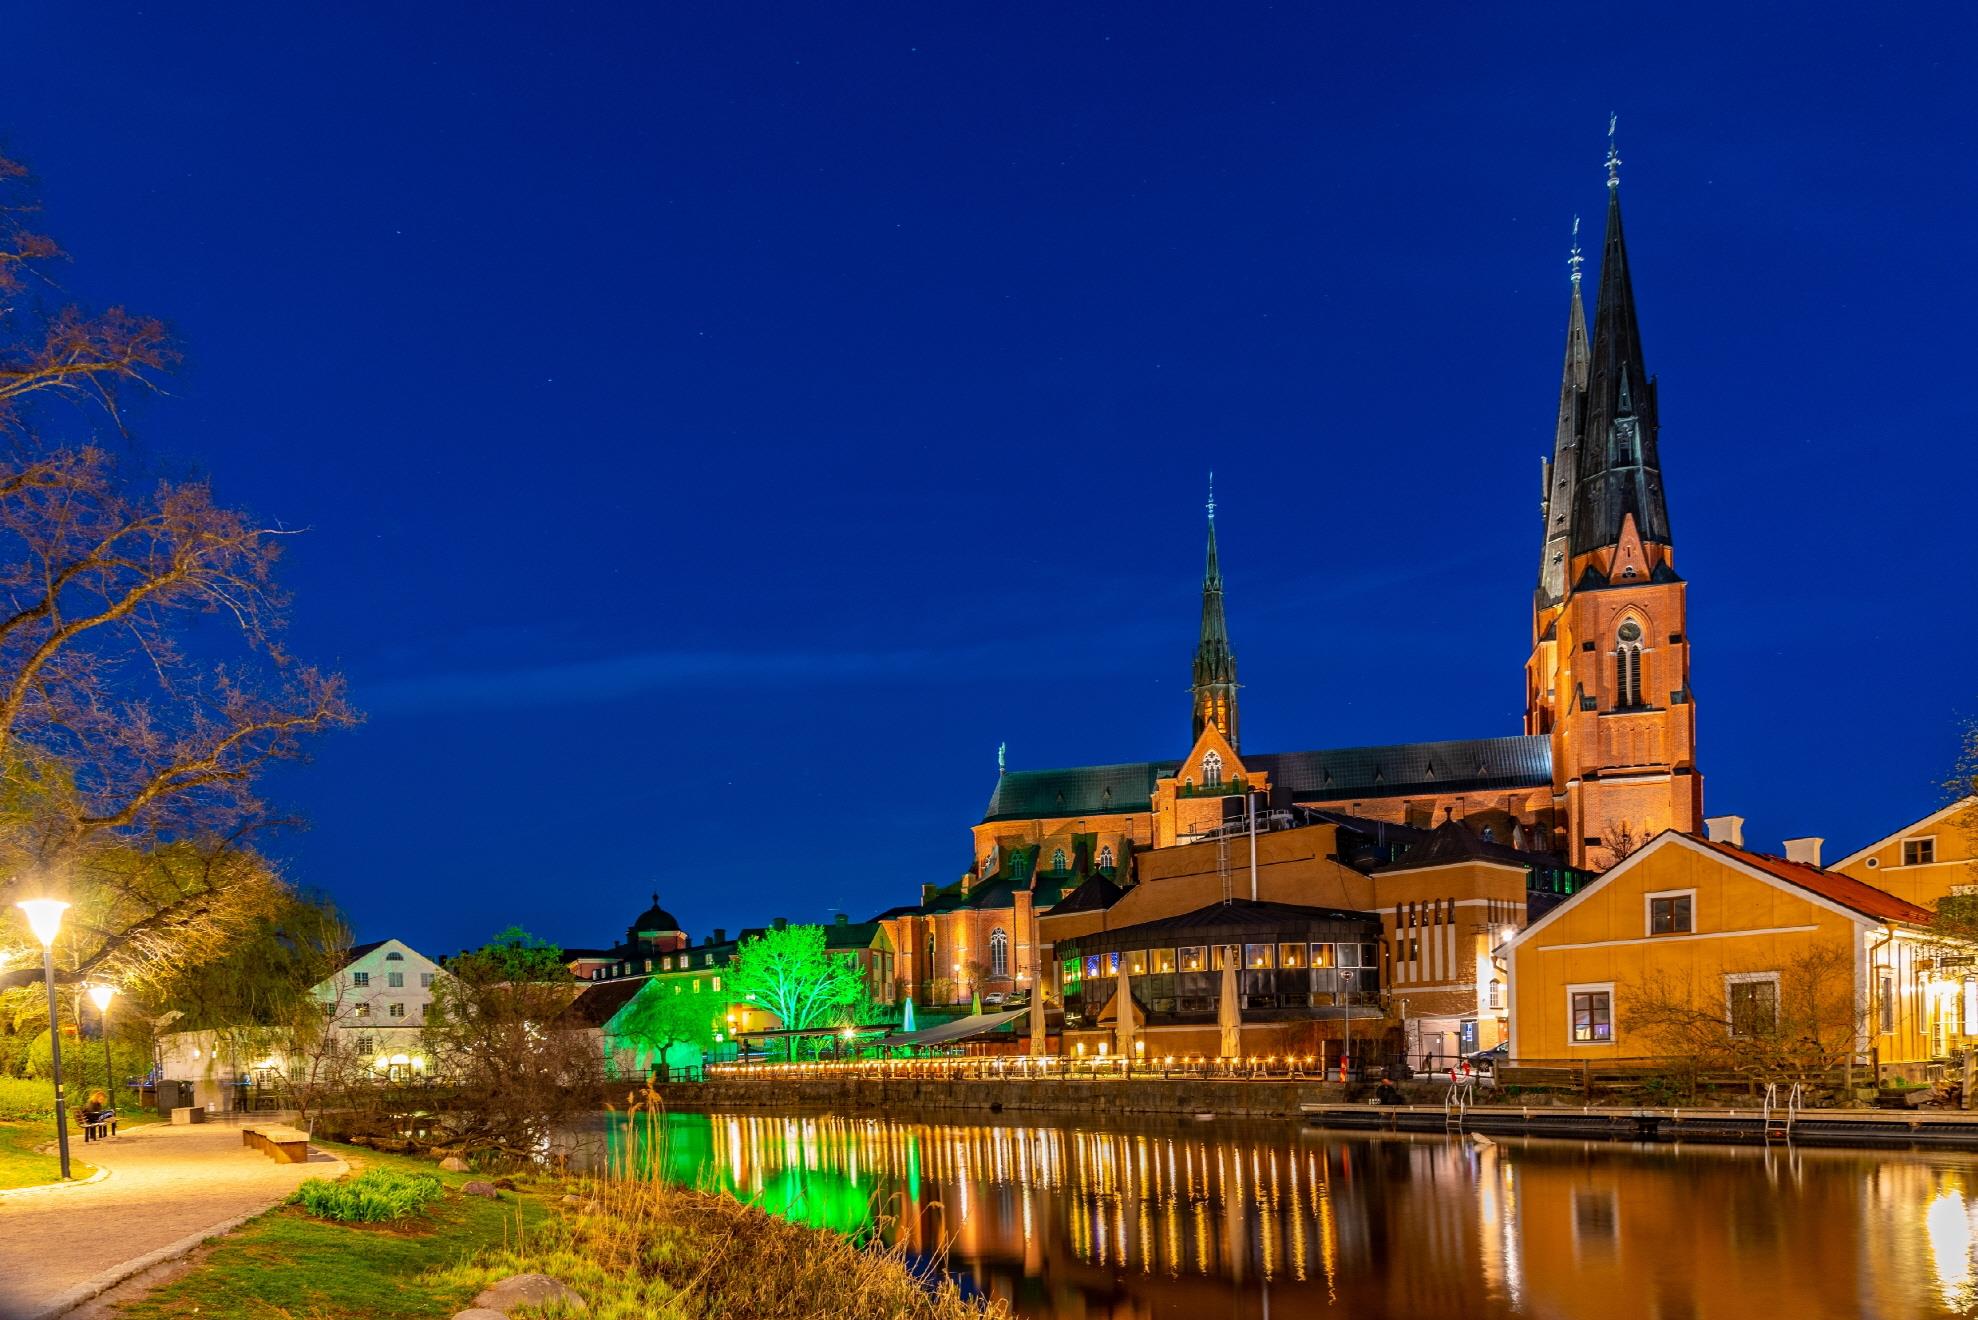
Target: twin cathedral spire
{"x": 1214, "y": 686}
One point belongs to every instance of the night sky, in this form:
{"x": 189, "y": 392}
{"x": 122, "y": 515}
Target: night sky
{"x": 720, "y": 426}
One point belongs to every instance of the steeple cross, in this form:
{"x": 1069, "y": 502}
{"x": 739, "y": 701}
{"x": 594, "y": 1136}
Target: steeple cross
{"x": 1574, "y": 262}
{"x": 1613, "y": 153}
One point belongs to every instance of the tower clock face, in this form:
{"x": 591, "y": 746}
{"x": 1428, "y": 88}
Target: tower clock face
{"x": 1630, "y": 631}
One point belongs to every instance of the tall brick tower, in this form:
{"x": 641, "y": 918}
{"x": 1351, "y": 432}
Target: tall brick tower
{"x": 1214, "y": 686}
{"x": 1609, "y": 677}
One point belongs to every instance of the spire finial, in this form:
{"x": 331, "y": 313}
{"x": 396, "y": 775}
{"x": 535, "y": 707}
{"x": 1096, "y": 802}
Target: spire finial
{"x": 1613, "y": 153}
{"x": 1212, "y": 497}
{"x": 1574, "y": 262}
{"x": 655, "y": 898}
{"x": 1002, "y": 752}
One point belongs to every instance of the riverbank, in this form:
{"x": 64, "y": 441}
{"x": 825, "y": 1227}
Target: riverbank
{"x": 630, "y": 1249}
{"x": 1326, "y": 1104}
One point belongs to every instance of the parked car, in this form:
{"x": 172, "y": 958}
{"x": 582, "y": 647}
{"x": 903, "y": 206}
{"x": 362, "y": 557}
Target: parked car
{"x": 999, "y": 997}
{"x": 1487, "y": 1060}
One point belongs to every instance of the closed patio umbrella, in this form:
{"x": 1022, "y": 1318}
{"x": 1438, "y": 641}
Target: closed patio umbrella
{"x": 1229, "y": 1017}
{"x": 1123, "y": 1013}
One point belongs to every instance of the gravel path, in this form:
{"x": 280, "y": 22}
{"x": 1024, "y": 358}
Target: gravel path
{"x": 167, "y": 1189}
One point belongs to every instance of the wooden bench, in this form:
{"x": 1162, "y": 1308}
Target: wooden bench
{"x": 283, "y": 1144}
{"x": 100, "y": 1126}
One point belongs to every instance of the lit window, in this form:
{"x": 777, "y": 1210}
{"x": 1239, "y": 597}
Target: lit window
{"x": 1212, "y": 770}
{"x": 1194, "y": 958}
{"x": 1291, "y": 955}
{"x": 1669, "y": 915}
{"x": 1163, "y": 962}
{"x": 1136, "y": 963}
{"x": 360, "y": 1010}
{"x": 716, "y": 983}
{"x": 1593, "y": 1017}
{"x": 1259, "y": 955}
{"x": 697, "y": 985}
{"x": 364, "y": 1044}
{"x": 1106, "y": 857}
{"x": 1919, "y": 852}
{"x": 999, "y": 951}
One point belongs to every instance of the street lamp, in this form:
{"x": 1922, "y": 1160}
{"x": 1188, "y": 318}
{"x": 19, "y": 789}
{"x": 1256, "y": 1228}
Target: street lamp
{"x": 101, "y": 995}
{"x": 44, "y": 917}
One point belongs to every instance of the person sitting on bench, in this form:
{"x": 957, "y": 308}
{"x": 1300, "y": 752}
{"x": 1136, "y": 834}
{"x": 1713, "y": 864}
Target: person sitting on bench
{"x": 99, "y": 1120}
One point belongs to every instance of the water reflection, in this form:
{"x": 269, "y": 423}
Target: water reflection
{"x": 1205, "y": 1219}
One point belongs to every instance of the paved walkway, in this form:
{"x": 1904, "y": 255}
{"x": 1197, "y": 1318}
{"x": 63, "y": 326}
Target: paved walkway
{"x": 168, "y": 1188}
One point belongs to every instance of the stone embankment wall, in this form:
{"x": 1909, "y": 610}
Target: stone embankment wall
{"x": 902, "y": 1097}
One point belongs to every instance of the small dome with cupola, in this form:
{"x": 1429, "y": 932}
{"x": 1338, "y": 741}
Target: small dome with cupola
{"x": 656, "y": 928}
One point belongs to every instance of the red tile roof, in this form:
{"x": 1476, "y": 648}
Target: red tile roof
{"x": 1850, "y": 893}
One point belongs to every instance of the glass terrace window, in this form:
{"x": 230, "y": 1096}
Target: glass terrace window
{"x": 1259, "y": 955}
{"x": 1162, "y": 961}
{"x": 1194, "y": 958}
{"x": 1321, "y": 955}
{"x": 1291, "y": 955}
{"x": 1092, "y": 968}
{"x": 1669, "y": 916}
{"x": 1136, "y": 963}
{"x": 1593, "y": 1017}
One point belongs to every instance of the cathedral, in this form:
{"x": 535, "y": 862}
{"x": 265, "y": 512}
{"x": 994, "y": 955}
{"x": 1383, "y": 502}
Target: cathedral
{"x": 1606, "y": 759}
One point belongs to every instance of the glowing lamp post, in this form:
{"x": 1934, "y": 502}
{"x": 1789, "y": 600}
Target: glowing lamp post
{"x": 101, "y": 995}
{"x": 44, "y": 917}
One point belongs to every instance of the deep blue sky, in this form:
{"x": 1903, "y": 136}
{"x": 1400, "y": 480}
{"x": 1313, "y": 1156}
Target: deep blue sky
{"x": 721, "y": 425}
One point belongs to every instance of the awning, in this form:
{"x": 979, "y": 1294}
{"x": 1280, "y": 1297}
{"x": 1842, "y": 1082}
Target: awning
{"x": 959, "y": 1029}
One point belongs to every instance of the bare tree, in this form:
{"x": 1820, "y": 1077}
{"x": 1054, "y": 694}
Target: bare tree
{"x": 1795, "y": 1025}
{"x": 143, "y": 685}
{"x": 1620, "y": 841}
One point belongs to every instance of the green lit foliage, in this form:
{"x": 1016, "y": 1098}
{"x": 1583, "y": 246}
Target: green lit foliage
{"x": 791, "y": 974}
{"x": 660, "y": 1018}
{"x": 376, "y": 1196}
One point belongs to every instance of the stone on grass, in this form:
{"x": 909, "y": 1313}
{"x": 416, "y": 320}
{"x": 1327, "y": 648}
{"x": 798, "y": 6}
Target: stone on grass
{"x": 453, "y": 1164}
{"x": 478, "y": 1313}
{"x": 529, "y": 1290}
{"x": 479, "y": 1188}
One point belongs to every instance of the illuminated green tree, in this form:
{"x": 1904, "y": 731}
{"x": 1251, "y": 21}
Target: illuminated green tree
{"x": 791, "y": 974}
{"x": 660, "y": 1017}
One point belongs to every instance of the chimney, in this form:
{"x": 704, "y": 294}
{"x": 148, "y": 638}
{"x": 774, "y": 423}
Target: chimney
{"x": 782, "y": 923}
{"x": 926, "y": 895}
{"x": 720, "y": 935}
{"x": 844, "y": 919}
{"x": 1804, "y": 850}
{"x": 1725, "y": 829}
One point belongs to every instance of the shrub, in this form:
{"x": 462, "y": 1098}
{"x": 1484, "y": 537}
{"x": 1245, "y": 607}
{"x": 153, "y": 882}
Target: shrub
{"x": 376, "y": 1196}
{"x": 21, "y": 1098}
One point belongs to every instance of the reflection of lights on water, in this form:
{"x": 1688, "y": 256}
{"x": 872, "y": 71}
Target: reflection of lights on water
{"x": 1947, "y": 1223}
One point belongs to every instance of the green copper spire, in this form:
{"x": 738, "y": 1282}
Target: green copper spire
{"x": 1214, "y": 688}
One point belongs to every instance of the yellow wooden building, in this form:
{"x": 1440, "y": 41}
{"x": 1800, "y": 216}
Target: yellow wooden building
{"x": 1734, "y": 933}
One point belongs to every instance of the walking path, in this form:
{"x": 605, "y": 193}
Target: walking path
{"x": 166, "y": 1189}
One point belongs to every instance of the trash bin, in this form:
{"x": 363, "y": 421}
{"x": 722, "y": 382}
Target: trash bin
{"x": 173, "y": 1095}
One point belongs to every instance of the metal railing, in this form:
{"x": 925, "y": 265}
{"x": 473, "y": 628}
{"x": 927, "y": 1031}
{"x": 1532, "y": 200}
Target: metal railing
{"x": 1052, "y": 1067}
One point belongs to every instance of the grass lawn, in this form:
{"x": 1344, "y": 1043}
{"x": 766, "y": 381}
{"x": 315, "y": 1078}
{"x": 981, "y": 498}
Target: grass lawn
{"x": 21, "y": 1166}
{"x": 287, "y": 1264}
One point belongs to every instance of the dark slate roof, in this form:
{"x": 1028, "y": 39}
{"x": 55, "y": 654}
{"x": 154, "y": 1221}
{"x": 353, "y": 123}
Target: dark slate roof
{"x": 1095, "y": 895}
{"x": 656, "y": 919}
{"x": 849, "y": 935}
{"x": 1396, "y": 770}
{"x": 1453, "y": 841}
{"x": 1085, "y": 790}
{"x": 1208, "y": 923}
{"x": 360, "y": 950}
{"x": 601, "y": 1000}
{"x": 1462, "y": 765}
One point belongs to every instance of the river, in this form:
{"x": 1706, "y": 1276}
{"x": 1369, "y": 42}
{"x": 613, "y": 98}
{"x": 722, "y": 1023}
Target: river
{"x": 1200, "y": 1219}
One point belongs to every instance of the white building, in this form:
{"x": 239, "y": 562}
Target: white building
{"x": 376, "y": 1006}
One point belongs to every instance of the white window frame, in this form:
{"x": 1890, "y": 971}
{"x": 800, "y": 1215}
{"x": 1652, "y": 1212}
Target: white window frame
{"x": 1212, "y": 769}
{"x": 1902, "y": 850}
{"x": 1648, "y": 913}
{"x": 1613, "y": 1017}
{"x": 1747, "y": 978}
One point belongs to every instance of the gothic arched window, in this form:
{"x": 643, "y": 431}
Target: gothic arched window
{"x": 1627, "y": 665}
{"x": 999, "y": 953}
{"x": 1106, "y": 857}
{"x": 1212, "y": 770}
{"x": 1058, "y": 860}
